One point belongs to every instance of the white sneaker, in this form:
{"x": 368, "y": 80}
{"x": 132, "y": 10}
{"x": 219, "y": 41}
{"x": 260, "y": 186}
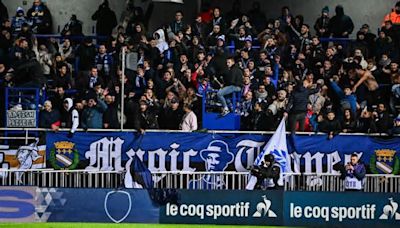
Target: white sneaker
{"x": 225, "y": 112}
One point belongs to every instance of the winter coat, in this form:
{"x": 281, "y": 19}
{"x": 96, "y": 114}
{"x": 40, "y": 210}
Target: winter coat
{"x": 93, "y": 117}
{"x": 49, "y": 118}
{"x": 105, "y": 20}
{"x": 40, "y": 18}
{"x": 340, "y": 23}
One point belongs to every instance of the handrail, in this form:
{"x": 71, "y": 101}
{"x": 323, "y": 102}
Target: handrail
{"x": 180, "y": 131}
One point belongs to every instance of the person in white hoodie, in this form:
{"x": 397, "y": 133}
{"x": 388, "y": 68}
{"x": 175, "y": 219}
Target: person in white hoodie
{"x": 69, "y": 117}
{"x": 162, "y": 44}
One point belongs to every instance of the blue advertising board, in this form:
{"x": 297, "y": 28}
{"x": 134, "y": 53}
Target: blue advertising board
{"x": 225, "y": 207}
{"x": 163, "y": 151}
{"x": 350, "y": 209}
{"x": 17, "y": 204}
{"x": 344, "y": 208}
{"x": 96, "y": 205}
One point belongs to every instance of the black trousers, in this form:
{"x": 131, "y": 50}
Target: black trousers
{"x": 294, "y": 118}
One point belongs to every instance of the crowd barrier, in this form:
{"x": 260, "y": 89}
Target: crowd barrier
{"x": 190, "y": 180}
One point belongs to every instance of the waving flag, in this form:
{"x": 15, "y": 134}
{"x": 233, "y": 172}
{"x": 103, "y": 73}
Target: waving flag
{"x": 276, "y": 146}
{"x": 139, "y": 175}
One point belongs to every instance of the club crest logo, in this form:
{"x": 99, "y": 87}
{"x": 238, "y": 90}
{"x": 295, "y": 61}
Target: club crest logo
{"x": 64, "y": 156}
{"x": 384, "y": 162}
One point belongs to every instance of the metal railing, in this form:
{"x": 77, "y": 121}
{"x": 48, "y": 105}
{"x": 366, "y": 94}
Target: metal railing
{"x": 201, "y": 180}
{"x": 189, "y": 180}
{"x": 61, "y": 178}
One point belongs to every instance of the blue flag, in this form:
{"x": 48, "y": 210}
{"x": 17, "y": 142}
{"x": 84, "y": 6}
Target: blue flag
{"x": 138, "y": 176}
{"x": 276, "y": 146}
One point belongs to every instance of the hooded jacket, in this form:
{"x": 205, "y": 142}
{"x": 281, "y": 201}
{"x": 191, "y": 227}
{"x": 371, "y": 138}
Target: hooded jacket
{"x": 340, "y": 23}
{"x": 18, "y": 21}
{"x": 162, "y": 44}
{"x": 72, "y": 119}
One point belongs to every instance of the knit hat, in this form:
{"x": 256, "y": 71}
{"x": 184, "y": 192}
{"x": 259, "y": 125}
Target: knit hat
{"x": 221, "y": 37}
{"x": 325, "y": 9}
{"x": 20, "y": 9}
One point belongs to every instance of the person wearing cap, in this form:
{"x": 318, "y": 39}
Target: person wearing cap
{"x": 49, "y": 117}
{"x": 18, "y": 20}
{"x": 146, "y": 117}
{"x": 171, "y": 117}
{"x": 216, "y": 157}
{"x": 321, "y": 25}
{"x": 267, "y": 173}
{"x": 369, "y": 36}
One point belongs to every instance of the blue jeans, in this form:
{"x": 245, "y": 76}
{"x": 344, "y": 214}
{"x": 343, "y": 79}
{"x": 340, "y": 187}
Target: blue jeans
{"x": 226, "y": 91}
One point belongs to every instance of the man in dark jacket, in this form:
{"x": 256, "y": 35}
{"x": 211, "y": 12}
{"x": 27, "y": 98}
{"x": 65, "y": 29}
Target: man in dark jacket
{"x": 233, "y": 83}
{"x": 146, "y": 118}
{"x": 105, "y": 20}
{"x": 341, "y": 25}
{"x": 86, "y": 53}
{"x": 297, "y": 105}
{"x": 383, "y": 121}
{"x": 267, "y": 171}
{"x": 331, "y": 125}
{"x": 321, "y": 25}
{"x": 73, "y": 27}
{"x": 110, "y": 117}
{"x": 40, "y": 17}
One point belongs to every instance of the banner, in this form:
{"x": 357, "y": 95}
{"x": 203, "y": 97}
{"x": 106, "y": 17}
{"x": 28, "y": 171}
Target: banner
{"x": 25, "y": 157}
{"x": 236, "y": 152}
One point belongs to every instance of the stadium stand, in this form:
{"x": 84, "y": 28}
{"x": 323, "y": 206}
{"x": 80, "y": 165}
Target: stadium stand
{"x": 191, "y": 107}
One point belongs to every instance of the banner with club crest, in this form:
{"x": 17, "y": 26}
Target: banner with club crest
{"x": 161, "y": 151}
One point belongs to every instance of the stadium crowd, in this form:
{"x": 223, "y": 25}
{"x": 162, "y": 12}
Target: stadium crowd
{"x": 280, "y": 66}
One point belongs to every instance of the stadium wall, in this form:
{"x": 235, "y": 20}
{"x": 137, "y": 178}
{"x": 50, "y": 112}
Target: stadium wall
{"x": 361, "y": 11}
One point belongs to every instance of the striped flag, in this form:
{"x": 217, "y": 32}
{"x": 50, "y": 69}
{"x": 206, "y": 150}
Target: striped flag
{"x": 276, "y": 146}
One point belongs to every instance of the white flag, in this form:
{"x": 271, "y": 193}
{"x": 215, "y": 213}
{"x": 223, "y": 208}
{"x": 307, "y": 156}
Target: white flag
{"x": 276, "y": 146}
